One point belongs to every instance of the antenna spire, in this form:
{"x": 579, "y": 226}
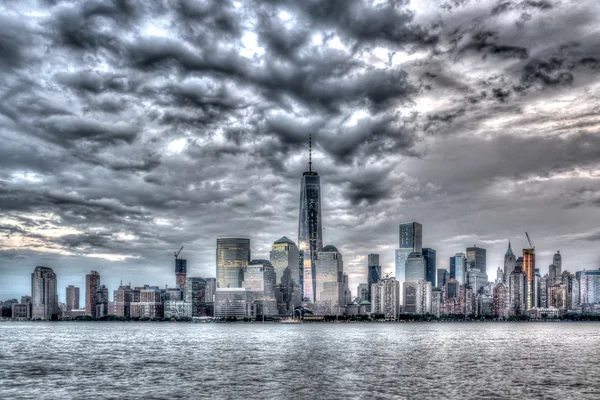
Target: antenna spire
{"x": 310, "y": 152}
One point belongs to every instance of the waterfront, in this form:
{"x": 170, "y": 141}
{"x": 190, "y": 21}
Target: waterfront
{"x": 160, "y": 360}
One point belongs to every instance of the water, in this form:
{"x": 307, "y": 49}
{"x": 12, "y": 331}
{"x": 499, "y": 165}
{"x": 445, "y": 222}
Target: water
{"x": 410, "y": 360}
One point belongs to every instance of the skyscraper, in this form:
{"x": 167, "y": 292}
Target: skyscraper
{"x": 180, "y": 273}
{"x": 589, "y": 286}
{"x": 458, "y": 268}
{"x": 44, "y": 295}
{"x": 415, "y": 268}
{"x": 329, "y": 277}
{"x": 233, "y": 255}
{"x": 442, "y": 276}
{"x": 529, "y": 269}
{"x": 310, "y": 232}
{"x": 92, "y": 284}
{"x": 195, "y": 294}
{"x": 373, "y": 273}
{"x": 476, "y": 259}
{"x": 557, "y": 261}
{"x": 101, "y": 301}
{"x": 509, "y": 264}
{"x": 72, "y": 298}
{"x": 285, "y": 258}
{"x": 386, "y": 298}
{"x": 518, "y": 291}
{"x": 411, "y": 240}
{"x": 431, "y": 264}
{"x": 259, "y": 280}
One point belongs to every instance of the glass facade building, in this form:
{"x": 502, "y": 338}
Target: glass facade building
{"x": 260, "y": 282}
{"x": 195, "y": 294}
{"x": 430, "y": 264}
{"x": 415, "y": 267}
{"x": 476, "y": 258}
{"x": 285, "y": 258}
{"x": 411, "y": 240}
{"x": 458, "y": 268}
{"x": 329, "y": 277}
{"x": 44, "y": 295}
{"x": 310, "y": 232}
{"x": 233, "y": 255}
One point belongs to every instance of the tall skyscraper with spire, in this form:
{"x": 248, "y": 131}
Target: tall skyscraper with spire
{"x": 310, "y": 232}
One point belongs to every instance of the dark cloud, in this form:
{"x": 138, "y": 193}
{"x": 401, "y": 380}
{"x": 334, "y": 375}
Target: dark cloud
{"x": 131, "y": 128}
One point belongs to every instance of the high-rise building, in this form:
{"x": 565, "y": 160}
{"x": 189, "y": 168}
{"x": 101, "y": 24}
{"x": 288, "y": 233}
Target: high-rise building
{"x": 442, "y": 276}
{"x": 509, "y": 264}
{"x": 476, "y": 280}
{"x": 123, "y": 297}
{"x": 233, "y": 255}
{"x": 310, "y": 231}
{"x": 476, "y": 259}
{"x": 589, "y": 286}
{"x": 543, "y": 295}
{"x": 557, "y": 261}
{"x": 285, "y": 258}
{"x": 518, "y": 291}
{"x": 260, "y": 281}
{"x": 529, "y": 269}
{"x": 329, "y": 277}
{"x": 44, "y": 295}
{"x": 196, "y": 290}
{"x": 386, "y": 298}
{"x": 417, "y": 296}
{"x": 148, "y": 304}
{"x": 101, "y": 301}
{"x": 458, "y": 268}
{"x": 373, "y": 273}
{"x": 72, "y": 298}
{"x": 211, "y": 287}
{"x": 454, "y": 298}
{"x": 500, "y": 301}
{"x": 415, "y": 267}
{"x": 234, "y": 303}
{"x": 362, "y": 292}
{"x": 411, "y": 241}
{"x": 180, "y": 273}
{"x": 92, "y": 283}
{"x": 499, "y": 275}
{"x": 431, "y": 264}
{"x": 552, "y": 273}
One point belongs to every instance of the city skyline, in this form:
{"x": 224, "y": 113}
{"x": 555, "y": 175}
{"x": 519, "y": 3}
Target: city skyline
{"x": 123, "y": 141}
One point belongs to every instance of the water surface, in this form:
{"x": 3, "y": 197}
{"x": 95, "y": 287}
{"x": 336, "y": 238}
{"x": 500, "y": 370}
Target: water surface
{"x": 254, "y": 361}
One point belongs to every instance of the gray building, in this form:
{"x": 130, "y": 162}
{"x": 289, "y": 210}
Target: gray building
{"x": 373, "y": 273}
{"x": 234, "y": 303}
{"x": 430, "y": 265}
{"x": 518, "y": 291}
{"x": 589, "y": 286}
{"x": 442, "y": 277}
{"x": 476, "y": 259}
{"x": 285, "y": 258}
{"x": 260, "y": 281}
{"x": 72, "y": 298}
{"x": 330, "y": 289}
{"x": 510, "y": 261}
{"x": 44, "y": 295}
{"x": 557, "y": 261}
{"x": 411, "y": 241}
{"x": 233, "y": 255}
{"x": 101, "y": 301}
{"x": 415, "y": 267}
{"x": 477, "y": 280}
{"x": 196, "y": 295}
{"x": 458, "y": 268}
{"x": 362, "y": 292}
{"x": 310, "y": 231}
{"x": 386, "y": 298}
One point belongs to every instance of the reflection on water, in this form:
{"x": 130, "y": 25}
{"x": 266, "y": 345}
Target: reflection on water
{"x": 416, "y": 360}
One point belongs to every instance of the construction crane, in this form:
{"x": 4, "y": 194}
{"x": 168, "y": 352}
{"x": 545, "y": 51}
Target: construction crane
{"x": 177, "y": 253}
{"x": 529, "y": 240}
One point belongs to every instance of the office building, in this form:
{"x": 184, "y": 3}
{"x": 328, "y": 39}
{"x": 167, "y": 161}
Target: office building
{"x": 417, "y": 297}
{"x": 362, "y": 292}
{"x": 101, "y": 301}
{"x": 500, "y": 301}
{"x": 180, "y": 273}
{"x": 529, "y": 269}
{"x": 557, "y": 261}
{"x": 510, "y": 261}
{"x": 211, "y": 287}
{"x": 234, "y": 303}
{"x": 177, "y": 309}
{"x": 386, "y": 298}
{"x": 260, "y": 281}
{"x": 285, "y": 258}
{"x": 415, "y": 269}
{"x": 72, "y": 298}
{"x": 458, "y": 268}
{"x": 310, "y": 231}
{"x": 44, "y": 295}
{"x": 233, "y": 255}
{"x": 430, "y": 265}
{"x": 589, "y": 286}
{"x": 92, "y": 283}
{"x": 411, "y": 241}
{"x": 476, "y": 280}
{"x": 373, "y": 274}
{"x": 454, "y": 298}
{"x": 518, "y": 292}
{"x": 196, "y": 295}
{"x": 442, "y": 276}
{"x": 476, "y": 259}
{"x": 543, "y": 291}
{"x": 329, "y": 277}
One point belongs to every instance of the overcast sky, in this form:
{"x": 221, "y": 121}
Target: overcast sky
{"x": 129, "y": 129}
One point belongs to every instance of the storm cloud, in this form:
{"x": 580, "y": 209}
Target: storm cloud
{"x": 131, "y": 128}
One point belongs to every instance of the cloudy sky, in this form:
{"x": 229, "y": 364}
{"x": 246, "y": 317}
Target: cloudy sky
{"x": 129, "y": 129}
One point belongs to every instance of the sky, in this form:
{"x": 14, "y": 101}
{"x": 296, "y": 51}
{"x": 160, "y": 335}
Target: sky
{"x": 130, "y": 129}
